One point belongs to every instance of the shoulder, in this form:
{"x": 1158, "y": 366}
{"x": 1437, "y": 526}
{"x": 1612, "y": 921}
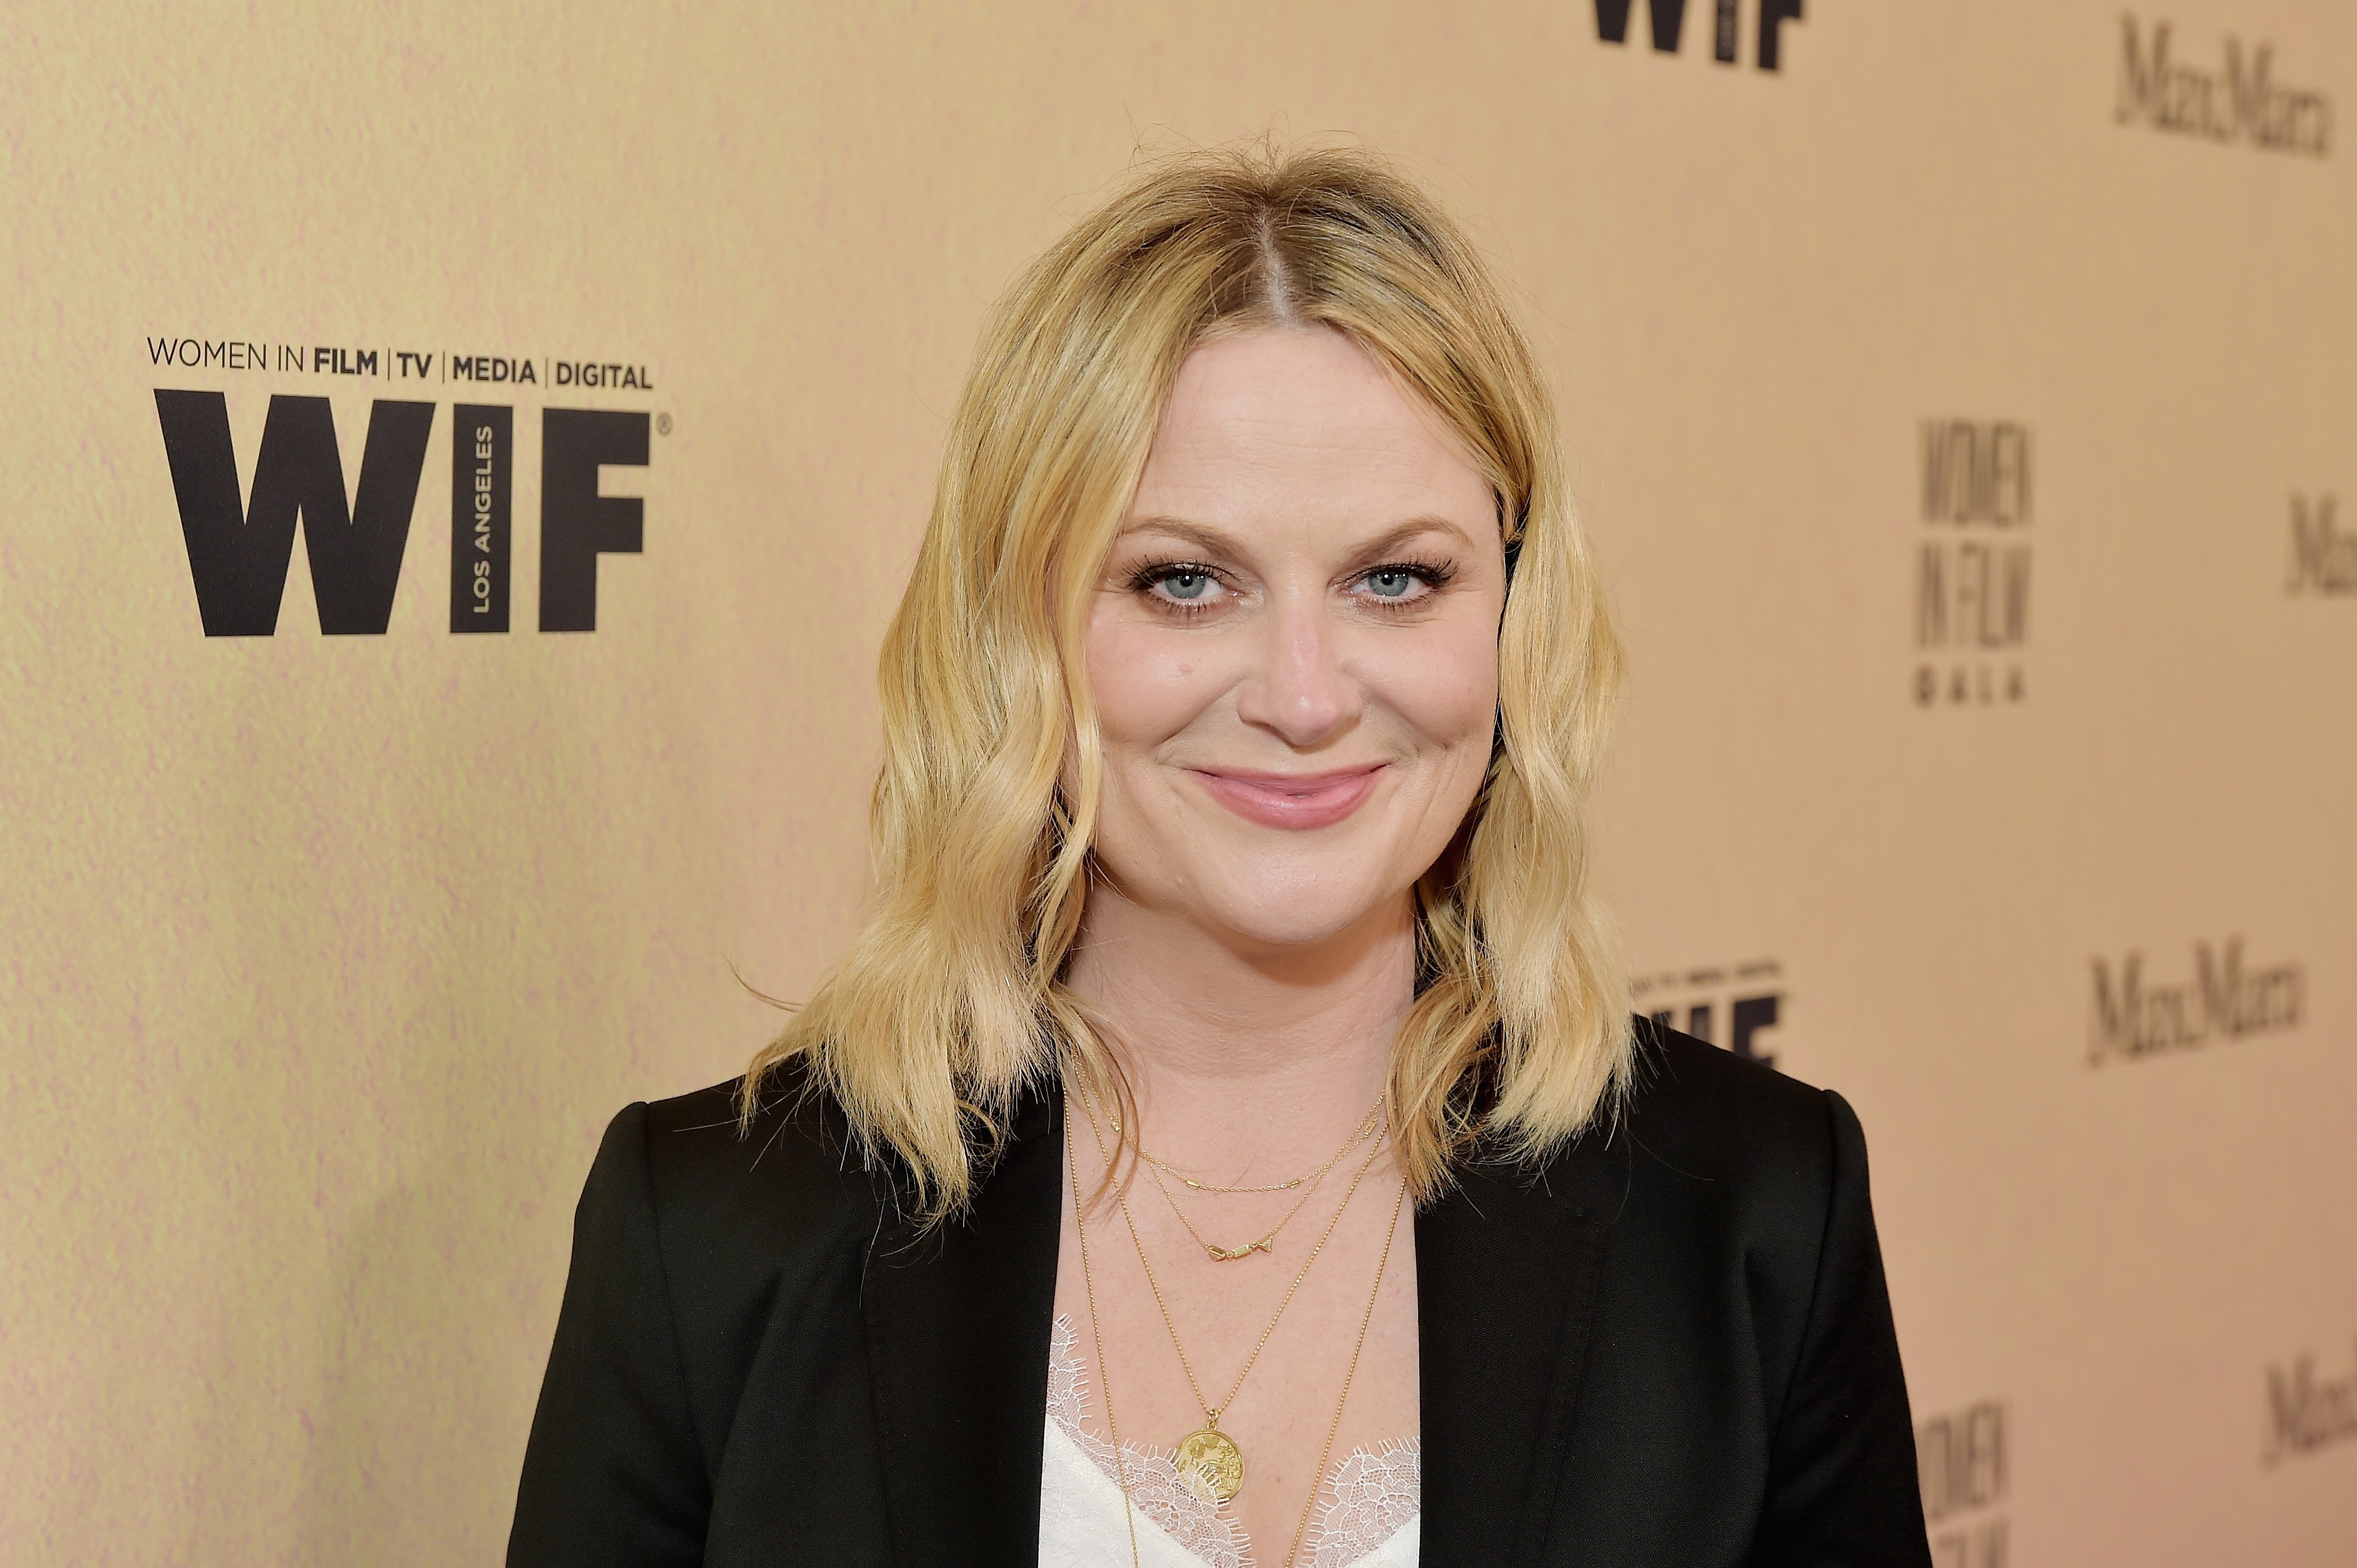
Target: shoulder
{"x": 1752, "y": 1229}
{"x": 1741, "y": 1293}
{"x": 1710, "y": 1144}
{"x": 751, "y": 1228}
{"x": 1724, "y": 1115}
{"x": 735, "y": 1208}
{"x": 700, "y": 1239}
{"x": 787, "y": 1177}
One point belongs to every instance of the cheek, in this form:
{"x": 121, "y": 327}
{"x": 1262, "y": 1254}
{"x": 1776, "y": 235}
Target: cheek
{"x": 1148, "y": 684}
{"x": 1443, "y": 687}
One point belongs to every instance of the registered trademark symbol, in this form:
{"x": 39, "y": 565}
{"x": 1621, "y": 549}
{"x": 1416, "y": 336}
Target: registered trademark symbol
{"x": 663, "y": 423}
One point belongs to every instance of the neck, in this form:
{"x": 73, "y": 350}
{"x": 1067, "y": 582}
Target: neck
{"x": 1245, "y": 1058}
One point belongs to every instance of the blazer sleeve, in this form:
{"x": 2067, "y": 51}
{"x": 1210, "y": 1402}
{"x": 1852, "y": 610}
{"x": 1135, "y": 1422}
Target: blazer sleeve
{"x": 1841, "y": 1485}
{"x": 613, "y": 1473}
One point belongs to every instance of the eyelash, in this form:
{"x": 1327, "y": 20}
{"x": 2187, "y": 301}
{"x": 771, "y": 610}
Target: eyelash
{"x": 1435, "y": 575}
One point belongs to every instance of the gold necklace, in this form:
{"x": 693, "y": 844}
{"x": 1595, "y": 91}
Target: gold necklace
{"x": 1326, "y": 1454}
{"x": 1366, "y": 1129}
{"x": 1208, "y": 1458}
{"x": 1096, "y": 1332}
{"x": 1229, "y": 1254}
{"x": 1104, "y": 1372}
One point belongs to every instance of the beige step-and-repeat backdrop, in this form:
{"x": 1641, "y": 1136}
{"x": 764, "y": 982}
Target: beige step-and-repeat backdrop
{"x": 1964, "y": 395}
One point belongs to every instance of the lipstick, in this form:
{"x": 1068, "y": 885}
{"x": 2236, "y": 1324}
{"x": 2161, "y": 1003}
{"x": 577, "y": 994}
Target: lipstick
{"x": 1294, "y": 800}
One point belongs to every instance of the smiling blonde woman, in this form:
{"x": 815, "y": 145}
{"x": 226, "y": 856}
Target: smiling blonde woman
{"x": 1226, "y": 1142}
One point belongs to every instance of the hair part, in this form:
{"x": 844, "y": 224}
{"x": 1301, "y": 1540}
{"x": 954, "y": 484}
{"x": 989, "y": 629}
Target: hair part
{"x": 951, "y": 1003}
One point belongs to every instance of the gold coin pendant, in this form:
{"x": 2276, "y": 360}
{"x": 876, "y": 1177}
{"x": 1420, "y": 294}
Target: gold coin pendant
{"x": 1211, "y": 1464}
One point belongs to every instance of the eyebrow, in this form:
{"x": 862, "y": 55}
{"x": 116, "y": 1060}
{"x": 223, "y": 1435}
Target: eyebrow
{"x": 1213, "y": 541}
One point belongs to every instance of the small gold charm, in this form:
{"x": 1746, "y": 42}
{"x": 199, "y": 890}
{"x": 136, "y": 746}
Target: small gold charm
{"x": 1229, "y": 1254}
{"x": 1211, "y": 1465}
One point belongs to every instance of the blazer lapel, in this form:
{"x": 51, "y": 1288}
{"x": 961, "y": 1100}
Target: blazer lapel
{"x": 958, "y": 1324}
{"x": 1507, "y": 1267}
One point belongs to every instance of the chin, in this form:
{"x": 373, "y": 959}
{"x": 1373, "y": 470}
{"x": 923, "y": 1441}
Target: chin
{"x": 1299, "y": 913}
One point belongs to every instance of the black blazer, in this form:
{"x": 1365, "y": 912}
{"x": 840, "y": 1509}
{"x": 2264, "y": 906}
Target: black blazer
{"x": 1672, "y": 1346}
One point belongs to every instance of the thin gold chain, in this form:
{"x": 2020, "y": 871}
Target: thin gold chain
{"x": 1229, "y": 1254}
{"x": 1104, "y": 1370}
{"x": 1211, "y": 1411}
{"x": 1325, "y": 1455}
{"x": 1366, "y": 1129}
{"x": 1096, "y": 1332}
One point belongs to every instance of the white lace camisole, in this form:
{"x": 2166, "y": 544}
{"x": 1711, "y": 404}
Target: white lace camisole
{"x": 1366, "y": 1518}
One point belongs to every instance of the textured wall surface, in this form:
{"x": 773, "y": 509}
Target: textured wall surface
{"x": 1964, "y": 407}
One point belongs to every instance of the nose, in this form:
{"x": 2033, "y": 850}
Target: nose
{"x": 1298, "y": 690}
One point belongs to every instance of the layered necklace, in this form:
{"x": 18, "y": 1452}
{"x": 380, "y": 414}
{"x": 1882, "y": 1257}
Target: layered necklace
{"x": 1367, "y": 1126}
{"x": 1209, "y": 1460}
{"x": 1267, "y": 1244}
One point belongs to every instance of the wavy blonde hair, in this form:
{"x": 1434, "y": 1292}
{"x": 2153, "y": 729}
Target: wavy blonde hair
{"x": 952, "y": 1000}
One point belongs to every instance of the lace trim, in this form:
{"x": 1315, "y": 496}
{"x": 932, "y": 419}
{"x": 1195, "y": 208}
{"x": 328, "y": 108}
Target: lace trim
{"x": 1370, "y": 1497}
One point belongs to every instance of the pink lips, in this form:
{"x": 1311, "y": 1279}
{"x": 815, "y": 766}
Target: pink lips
{"x": 1291, "y": 799}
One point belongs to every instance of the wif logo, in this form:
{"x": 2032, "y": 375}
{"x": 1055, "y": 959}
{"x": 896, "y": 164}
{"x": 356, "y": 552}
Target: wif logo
{"x": 240, "y": 540}
{"x": 1668, "y": 20}
{"x": 1750, "y": 996}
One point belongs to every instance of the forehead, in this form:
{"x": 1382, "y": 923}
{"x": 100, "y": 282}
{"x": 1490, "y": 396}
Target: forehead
{"x": 1304, "y": 420}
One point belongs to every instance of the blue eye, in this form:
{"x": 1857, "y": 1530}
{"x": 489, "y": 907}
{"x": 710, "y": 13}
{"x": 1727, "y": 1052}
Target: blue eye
{"x": 1185, "y": 584}
{"x": 1391, "y": 583}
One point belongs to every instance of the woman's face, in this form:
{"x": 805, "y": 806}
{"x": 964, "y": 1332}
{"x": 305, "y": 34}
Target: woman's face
{"x": 1294, "y": 647}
